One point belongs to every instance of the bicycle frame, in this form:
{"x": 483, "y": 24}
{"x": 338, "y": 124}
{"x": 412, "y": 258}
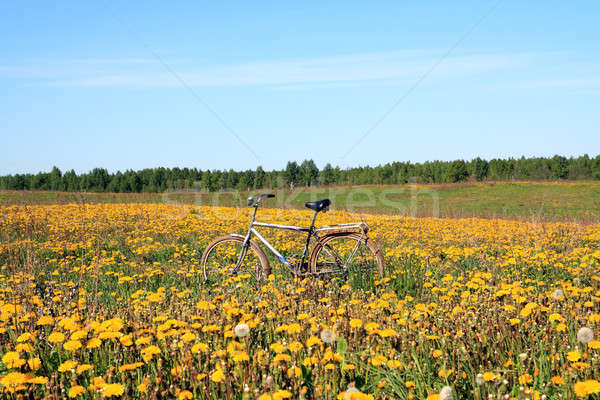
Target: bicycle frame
{"x": 311, "y": 231}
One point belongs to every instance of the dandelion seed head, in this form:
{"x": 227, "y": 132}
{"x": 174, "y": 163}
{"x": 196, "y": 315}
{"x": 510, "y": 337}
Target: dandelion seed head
{"x": 479, "y": 379}
{"x": 328, "y": 336}
{"x": 446, "y": 393}
{"x": 558, "y": 294}
{"x": 241, "y": 330}
{"x": 585, "y": 335}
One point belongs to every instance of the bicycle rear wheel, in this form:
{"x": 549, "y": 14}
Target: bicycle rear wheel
{"x": 348, "y": 254}
{"x": 220, "y": 258}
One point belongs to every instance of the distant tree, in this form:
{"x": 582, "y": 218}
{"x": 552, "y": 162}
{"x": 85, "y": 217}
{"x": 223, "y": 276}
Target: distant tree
{"x": 560, "y": 167}
{"x": 55, "y": 179}
{"x": 457, "y": 171}
{"x": 308, "y": 172}
{"x": 259, "y": 178}
{"x": 480, "y": 169}
{"x": 134, "y": 182}
{"x": 327, "y": 175}
{"x": 98, "y": 180}
{"x": 291, "y": 173}
{"x": 115, "y": 183}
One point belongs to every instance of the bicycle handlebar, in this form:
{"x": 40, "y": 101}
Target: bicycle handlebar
{"x": 252, "y": 203}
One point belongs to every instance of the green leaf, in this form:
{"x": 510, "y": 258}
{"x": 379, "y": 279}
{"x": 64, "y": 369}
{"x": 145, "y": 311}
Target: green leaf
{"x": 342, "y": 346}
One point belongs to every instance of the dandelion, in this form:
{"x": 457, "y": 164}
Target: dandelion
{"x": 113, "y": 389}
{"x": 446, "y": 393}
{"x": 217, "y": 376}
{"x": 573, "y": 356}
{"x": 72, "y": 345}
{"x": 75, "y": 391}
{"x": 489, "y": 376}
{"x": 241, "y": 330}
{"x": 585, "y": 388}
{"x": 12, "y": 359}
{"x": 68, "y": 365}
{"x": 56, "y": 337}
{"x": 282, "y": 394}
{"x": 328, "y": 336}
{"x": 585, "y": 335}
{"x": 558, "y": 294}
{"x": 355, "y": 323}
{"x": 479, "y": 379}
{"x": 349, "y": 391}
{"x": 13, "y": 379}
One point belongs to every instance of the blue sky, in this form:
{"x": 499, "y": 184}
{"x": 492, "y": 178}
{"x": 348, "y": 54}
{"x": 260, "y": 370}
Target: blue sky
{"x": 133, "y": 85}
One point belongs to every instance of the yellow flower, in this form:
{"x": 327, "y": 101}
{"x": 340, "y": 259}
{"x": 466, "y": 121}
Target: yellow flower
{"x": 281, "y": 394}
{"x": 378, "y": 360}
{"x": 13, "y": 379}
{"x": 56, "y": 337}
{"x": 150, "y": 351}
{"x": 72, "y": 345}
{"x": 67, "y": 366}
{"x": 45, "y": 320}
{"x": 295, "y": 346}
{"x": 38, "y": 380}
{"x": 437, "y": 353}
{"x": 585, "y": 388}
{"x": 356, "y": 323}
{"x": 240, "y": 356}
{"x": 76, "y": 391}
{"x": 199, "y": 347}
{"x": 594, "y": 344}
{"x": 185, "y": 395}
{"x": 82, "y": 368}
{"x": 525, "y": 379}
{"x": 434, "y": 396}
{"x": 277, "y": 348}
{"x": 573, "y": 356}
{"x": 25, "y": 337}
{"x": 558, "y": 381}
{"x": 34, "y": 363}
{"x": 93, "y": 343}
{"x": 294, "y": 328}
{"x": 217, "y": 376}
{"x": 12, "y": 359}
{"x": 130, "y": 367}
{"x": 112, "y": 389}
{"x": 489, "y": 376}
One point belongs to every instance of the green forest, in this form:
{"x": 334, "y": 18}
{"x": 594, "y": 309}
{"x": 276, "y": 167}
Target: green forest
{"x": 307, "y": 174}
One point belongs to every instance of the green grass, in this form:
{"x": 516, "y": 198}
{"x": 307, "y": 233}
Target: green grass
{"x": 538, "y": 201}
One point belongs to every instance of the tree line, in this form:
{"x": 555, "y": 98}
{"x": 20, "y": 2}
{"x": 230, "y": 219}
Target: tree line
{"x": 307, "y": 174}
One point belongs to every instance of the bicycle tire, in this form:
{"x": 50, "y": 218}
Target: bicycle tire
{"x": 218, "y": 269}
{"x": 322, "y": 260}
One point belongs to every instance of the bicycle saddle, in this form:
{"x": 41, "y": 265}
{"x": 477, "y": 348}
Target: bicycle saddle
{"x": 318, "y": 205}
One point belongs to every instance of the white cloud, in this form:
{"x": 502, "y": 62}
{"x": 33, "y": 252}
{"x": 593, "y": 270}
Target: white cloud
{"x": 343, "y": 70}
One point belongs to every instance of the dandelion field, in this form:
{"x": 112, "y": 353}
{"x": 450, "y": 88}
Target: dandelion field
{"x": 108, "y": 300}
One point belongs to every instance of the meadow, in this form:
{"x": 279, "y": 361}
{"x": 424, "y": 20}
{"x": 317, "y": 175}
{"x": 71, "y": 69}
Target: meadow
{"x": 576, "y": 201}
{"x": 107, "y": 300}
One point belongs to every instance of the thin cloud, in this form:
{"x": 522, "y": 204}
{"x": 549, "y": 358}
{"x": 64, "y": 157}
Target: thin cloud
{"x": 357, "y": 69}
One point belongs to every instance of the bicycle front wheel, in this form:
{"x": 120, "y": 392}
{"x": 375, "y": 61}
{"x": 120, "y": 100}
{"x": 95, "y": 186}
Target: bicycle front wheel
{"x": 221, "y": 256}
{"x": 348, "y": 254}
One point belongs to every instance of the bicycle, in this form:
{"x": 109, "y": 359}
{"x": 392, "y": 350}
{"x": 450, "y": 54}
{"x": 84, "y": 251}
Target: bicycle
{"x": 340, "y": 250}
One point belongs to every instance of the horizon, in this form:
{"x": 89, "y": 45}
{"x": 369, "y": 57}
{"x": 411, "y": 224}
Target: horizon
{"x": 298, "y": 162}
{"x": 121, "y": 87}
